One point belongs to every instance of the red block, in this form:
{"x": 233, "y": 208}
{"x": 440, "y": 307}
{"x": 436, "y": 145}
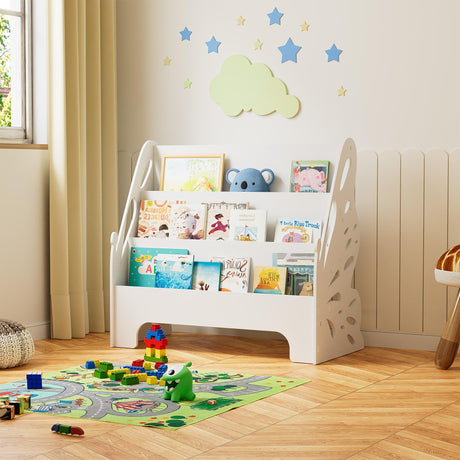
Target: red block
{"x": 158, "y": 364}
{"x": 138, "y": 363}
{"x": 155, "y": 327}
{"x": 161, "y": 344}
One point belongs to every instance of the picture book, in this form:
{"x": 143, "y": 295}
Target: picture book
{"x": 269, "y": 280}
{"x": 309, "y": 176}
{"x": 142, "y": 264}
{"x": 297, "y": 230}
{"x": 248, "y": 224}
{"x": 154, "y": 218}
{"x": 206, "y": 276}
{"x": 173, "y": 271}
{"x": 300, "y": 272}
{"x": 188, "y": 221}
{"x": 234, "y": 276}
{"x": 218, "y": 221}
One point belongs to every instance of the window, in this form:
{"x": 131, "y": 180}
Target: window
{"x": 15, "y": 71}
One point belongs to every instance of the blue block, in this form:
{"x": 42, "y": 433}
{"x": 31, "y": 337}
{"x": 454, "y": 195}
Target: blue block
{"x": 34, "y": 380}
{"x": 90, "y": 365}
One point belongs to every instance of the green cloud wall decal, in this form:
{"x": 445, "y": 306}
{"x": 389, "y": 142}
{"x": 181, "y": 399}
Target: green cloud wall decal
{"x": 243, "y": 86}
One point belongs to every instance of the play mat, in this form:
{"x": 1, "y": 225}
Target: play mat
{"x": 76, "y": 393}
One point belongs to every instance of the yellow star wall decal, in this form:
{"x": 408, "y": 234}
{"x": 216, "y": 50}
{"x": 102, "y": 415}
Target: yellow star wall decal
{"x": 341, "y": 91}
{"x": 187, "y": 83}
{"x": 166, "y": 61}
{"x": 240, "y": 21}
{"x": 304, "y": 27}
{"x": 258, "y": 45}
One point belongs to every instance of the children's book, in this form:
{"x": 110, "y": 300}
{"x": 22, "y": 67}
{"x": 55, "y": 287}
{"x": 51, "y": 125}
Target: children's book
{"x": 206, "y": 276}
{"x": 154, "y": 218}
{"x": 173, "y": 271}
{"x": 309, "y": 176}
{"x": 188, "y": 221}
{"x": 142, "y": 264}
{"x": 218, "y": 221}
{"x": 234, "y": 276}
{"x": 297, "y": 230}
{"x": 269, "y": 280}
{"x": 248, "y": 224}
{"x": 300, "y": 272}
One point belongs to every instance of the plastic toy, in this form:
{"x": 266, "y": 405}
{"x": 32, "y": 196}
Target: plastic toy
{"x": 34, "y": 380}
{"x": 250, "y": 180}
{"x": 67, "y": 429}
{"x": 448, "y": 272}
{"x": 179, "y": 383}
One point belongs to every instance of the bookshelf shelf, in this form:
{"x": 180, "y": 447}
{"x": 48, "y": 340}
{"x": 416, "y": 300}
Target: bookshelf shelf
{"x": 317, "y": 328}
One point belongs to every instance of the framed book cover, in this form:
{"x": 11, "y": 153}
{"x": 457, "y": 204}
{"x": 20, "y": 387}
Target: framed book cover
{"x": 188, "y": 221}
{"x": 235, "y": 272}
{"x": 173, "y": 271}
{"x": 154, "y": 217}
{"x": 269, "y": 280}
{"x": 206, "y": 276}
{"x": 142, "y": 264}
{"x": 309, "y": 176}
{"x": 248, "y": 224}
{"x": 300, "y": 272}
{"x": 192, "y": 173}
{"x": 297, "y": 230}
{"x": 218, "y": 219}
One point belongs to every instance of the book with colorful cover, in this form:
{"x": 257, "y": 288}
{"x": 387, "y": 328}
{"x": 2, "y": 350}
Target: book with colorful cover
{"x": 218, "y": 221}
{"x": 154, "y": 217}
{"x": 173, "y": 271}
{"x": 300, "y": 272}
{"x": 188, "y": 221}
{"x": 206, "y": 276}
{"x": 269, "y": 280}
{"x": 248, "y": 224}
{"x": 142, "y": 264}
{"x": 234, "y": 276}
{"x": 297, "y": 230}
{"x": 309, "y": 176}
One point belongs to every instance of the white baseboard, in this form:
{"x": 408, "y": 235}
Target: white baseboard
{"x": 400, "y": 340}
{"x": 39, "y": 331}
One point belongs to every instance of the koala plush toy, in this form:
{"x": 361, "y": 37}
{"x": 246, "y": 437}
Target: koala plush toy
{"x": 250, "y": 180}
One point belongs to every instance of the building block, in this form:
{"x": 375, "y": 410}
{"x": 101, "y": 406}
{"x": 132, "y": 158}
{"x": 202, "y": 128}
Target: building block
{"x": 4, "y": 400}
{"x": 18, "y": 407}
{"x": 26, "y": 401}
{"x": 137, "y": 363}
{"x": 155, "y": 327}
{"x": 160, "y": 353}
{"x": 152, "y": 380}
{"x": 90, "y": 365}
{"x": 100, "y": 374}
{"x": 105, "y": 366}
{"x": 117, "y": 375}
{"x": 130, "y": 379}
{"x": 147, "y": 365}
{"x": 34, "y": 380}
{"x": 149, "y": 352}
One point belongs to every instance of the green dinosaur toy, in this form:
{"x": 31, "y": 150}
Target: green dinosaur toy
{"x": 179, "y": 383}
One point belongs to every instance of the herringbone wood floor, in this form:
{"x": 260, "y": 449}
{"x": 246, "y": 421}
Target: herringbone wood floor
{"x": 374, "y": 404}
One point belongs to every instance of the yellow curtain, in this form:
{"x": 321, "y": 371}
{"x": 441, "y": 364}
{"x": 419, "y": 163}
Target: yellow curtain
{"x": 83, "y": 163}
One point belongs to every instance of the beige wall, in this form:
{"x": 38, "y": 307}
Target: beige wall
{"x": 24, "y": 248}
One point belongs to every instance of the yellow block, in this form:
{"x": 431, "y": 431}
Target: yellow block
{"x": 162, "y": 382}
{"x": 147, "y": 365}
{"x": 150, "y": 352}
{"x": 96, "y": 362}
{"x": 152, "y": 380}
{"x": 160, "y": 353}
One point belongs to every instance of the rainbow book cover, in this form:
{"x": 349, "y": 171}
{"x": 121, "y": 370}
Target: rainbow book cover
{"x": 269, "y": 280}
{"x": 142, "y": 264}
{"x": 173, "y": 271}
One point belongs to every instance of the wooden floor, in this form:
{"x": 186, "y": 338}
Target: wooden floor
{"x": 374, "y": 404}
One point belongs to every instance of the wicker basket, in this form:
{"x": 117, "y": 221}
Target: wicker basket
{"x": 16, "y": 344}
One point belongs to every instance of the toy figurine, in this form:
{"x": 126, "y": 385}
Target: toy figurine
{"x": 250, "y": 180}
{"x": 179, "y": 383}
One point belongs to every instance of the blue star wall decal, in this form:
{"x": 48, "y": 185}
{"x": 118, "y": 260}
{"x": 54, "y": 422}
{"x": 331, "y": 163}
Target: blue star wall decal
{"x": 185, "y": 34}
{"x": 275, "y": 16}
{"x": 213, "y": 45}
{"x": 289, "y": 51}
{"x": 333, "y": 53}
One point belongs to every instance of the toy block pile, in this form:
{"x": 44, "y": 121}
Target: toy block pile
{"x": 9, "y": 408}
{"x": 155, "y": 341}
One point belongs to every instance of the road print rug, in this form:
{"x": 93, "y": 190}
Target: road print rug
{"x": 76, "y": 393}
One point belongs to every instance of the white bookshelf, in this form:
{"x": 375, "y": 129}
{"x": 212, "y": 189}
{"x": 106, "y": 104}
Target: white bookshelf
{"x": 318, "y": 328}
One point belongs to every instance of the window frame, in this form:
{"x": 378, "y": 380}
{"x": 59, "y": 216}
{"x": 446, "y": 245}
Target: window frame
{"x": 22, "y": 134}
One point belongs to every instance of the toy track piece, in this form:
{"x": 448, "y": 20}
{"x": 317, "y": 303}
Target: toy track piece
{"x": 67, "y": 429}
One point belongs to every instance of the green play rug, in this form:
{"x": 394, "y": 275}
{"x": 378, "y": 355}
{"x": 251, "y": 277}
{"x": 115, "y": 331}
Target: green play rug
{"x": 76, "y": 393}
